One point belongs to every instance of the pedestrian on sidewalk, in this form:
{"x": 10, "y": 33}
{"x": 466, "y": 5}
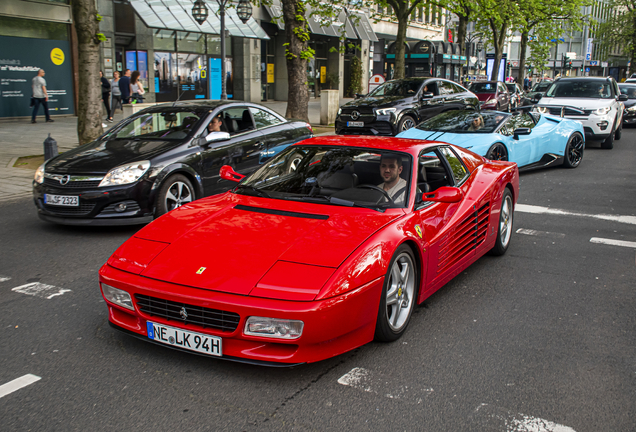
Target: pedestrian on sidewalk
{"x": 106, "y": 96}
{"x": 124, "y": 86}
{"x": 116, "y": 93}
{"x": 40, "y": 96}
{"x": 136, "y": 88}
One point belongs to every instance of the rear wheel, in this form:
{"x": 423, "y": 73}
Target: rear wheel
{"x": 175, "y": 192}
{"x": 574, "y": 151}
{"x": 505, "y": 225}
{"x": 497, "y": 152}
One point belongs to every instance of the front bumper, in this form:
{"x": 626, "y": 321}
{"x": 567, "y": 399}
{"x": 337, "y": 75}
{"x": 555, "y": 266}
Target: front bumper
{"x": 331, "y": 326}
{"x": 384, "y": 128}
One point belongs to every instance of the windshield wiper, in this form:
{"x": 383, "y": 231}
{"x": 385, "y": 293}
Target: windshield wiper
{"x": 259, "y": 192}
{"x": 341, "y": 202}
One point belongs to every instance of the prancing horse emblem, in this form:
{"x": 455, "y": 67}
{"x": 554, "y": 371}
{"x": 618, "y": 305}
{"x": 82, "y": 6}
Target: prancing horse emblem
{"x": 201, "y": 270}
{"x": 355, "y": 115}
{"x": 183, "y": 313}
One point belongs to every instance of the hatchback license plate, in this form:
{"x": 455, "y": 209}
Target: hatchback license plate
{"x": 355, "y": 124}
{"x": 201, "y": 343}
{"x": 61, "y": 200}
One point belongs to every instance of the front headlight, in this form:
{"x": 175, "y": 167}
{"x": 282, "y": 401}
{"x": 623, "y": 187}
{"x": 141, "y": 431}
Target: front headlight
{"x": 39, "y": 174}
{"x": 117, "y": 296}
{"x": 491, "y": 102}
{"x": 273, "y": 327}
{"x": 125, "y": 174}
{"x": 542, "y": 110}
{"x": 631, "y": 109}
{"x": 602, "y": 111}
{"x": 339, "y": 111}
{"x": 384, "y": 111}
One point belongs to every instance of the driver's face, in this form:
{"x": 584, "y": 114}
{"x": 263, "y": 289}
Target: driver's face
{"x": 389, "y": 170}
{"x": 215, "y": 125}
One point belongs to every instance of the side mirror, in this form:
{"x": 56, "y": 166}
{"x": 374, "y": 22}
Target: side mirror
{"x": 359, "y": 95}
{"x": 216, "y": 136}
{"x": 623, "y": 97}
{"x": 537, "y": 97}
{"x": 522, "y": 131}
{"x": 228, "y": 173}
{"x": 426, "y": 95}
{"x": 445, "y": 194}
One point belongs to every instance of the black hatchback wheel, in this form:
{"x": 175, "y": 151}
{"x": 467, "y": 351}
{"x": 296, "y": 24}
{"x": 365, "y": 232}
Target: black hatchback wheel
{"x": 497, "y": 152}
{"x": 574, "y": 151}
{"x": 175, "y": 192}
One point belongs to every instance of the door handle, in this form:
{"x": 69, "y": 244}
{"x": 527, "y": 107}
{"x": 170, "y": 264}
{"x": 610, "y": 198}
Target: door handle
{"x": 259, "y": 144}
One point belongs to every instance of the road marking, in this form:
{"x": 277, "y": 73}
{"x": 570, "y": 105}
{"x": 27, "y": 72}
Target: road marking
{"x": 613, "y": 242}
{"x": 539, "y": 233}
{"x": 17, "y": 384}
{"x": 41, "y": 290}
{"x": 494, "y": 418}
{"x": 362, "y": 379}
{"x": 4, "y": 278}
{"x": 524, "y": 208}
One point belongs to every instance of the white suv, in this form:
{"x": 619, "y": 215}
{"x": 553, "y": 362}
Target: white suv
{"x": 596, "y": 103}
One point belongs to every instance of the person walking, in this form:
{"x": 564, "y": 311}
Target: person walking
{"x": 124, "y": 87}
{"x": 106, "y": 96}
{"x": 40, "y": 96}
{"x": 116, "y": 93}
{"x": 136, "y": 88}
{"x": 526, "y": 82}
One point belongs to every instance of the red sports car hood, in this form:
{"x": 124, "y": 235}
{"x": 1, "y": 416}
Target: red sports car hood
{"x": 229, "y": 243}
{"x": 485, "y": 96}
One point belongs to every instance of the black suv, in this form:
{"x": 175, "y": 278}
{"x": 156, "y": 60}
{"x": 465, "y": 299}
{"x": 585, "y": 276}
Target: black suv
{"x": 398, "y": 105}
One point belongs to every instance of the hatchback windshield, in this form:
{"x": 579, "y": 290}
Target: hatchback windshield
{"x": 464, "y": 122}
{"x": 397, "y": 88}
{"x": 541, "y": 87}
{"x": 628, "y": 89}
{"x": 512, "y": 88}
{"x": 165, "y": 125}
{"x": 487, "y": 87}
{"x": 580, "y": 89}
{"x": 346, "y": 176}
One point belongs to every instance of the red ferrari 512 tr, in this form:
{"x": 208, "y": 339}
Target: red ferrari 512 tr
{"x": 325, "y": 247}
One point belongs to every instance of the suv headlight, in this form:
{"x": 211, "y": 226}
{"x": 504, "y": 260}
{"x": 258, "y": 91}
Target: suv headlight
{"x": 602, "y": 111}
{"x": 384, "y": 111}
{"x": 631, "y": 109}
{"x": 339, "y": 111}
{"x": 125, "y": 174}
{"x": 39, "y": 174}
{"x": 542, "y": 110}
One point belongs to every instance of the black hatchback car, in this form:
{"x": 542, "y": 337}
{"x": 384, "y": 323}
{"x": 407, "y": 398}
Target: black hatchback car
{"x": 398, "y": 105}
{"x": 159, "y": 159}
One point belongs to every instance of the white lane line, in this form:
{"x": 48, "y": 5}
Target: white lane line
{"x": 4, "y": 278}
{"x": 17, "y": 384}
{"x": 495, "y": 418}
{"x": 362, "y": 379}
{"x": 539, "y": 233}
{"x": 41, "y": 290}
{"x": 613, "y": 242}
{"x": 524, "y": 208}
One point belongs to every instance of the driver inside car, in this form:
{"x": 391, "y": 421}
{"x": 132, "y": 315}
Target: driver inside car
{"x": 394, "y": 185}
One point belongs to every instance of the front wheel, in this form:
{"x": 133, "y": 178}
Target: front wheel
{"x": 574, "y": 151}
{"x": 497, "y": 152}
{"x": 406, "y": 122}
{"x": 398, "y": 296}
{"x": 619, "y": 132}
{"x": 175, "y": 192}
{"x": 505, "y": 225}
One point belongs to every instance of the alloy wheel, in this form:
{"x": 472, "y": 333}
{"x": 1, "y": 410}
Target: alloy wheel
{"x": 400, "y": 292}
{"x": 178, "y": 194}
{"x": 505, "y": 221}
{"x": 575, "y": 150}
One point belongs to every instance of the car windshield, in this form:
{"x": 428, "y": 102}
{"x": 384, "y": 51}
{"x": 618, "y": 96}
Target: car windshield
{"x": 397, "y": 88}
{"x": 628, "y": 89}
{"x": 484, "y": 87}
{"x": 346, "y": 176}
{"x": 172, "y": 124}
{"x": 541, "y": 87}
{"x": 512, "y": 88}
{"x": 580, "y": 89}
{"x": 464, "y": 122}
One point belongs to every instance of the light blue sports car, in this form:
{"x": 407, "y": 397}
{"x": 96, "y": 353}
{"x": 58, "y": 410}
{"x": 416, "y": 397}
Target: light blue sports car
{"x": 532, "y": 140}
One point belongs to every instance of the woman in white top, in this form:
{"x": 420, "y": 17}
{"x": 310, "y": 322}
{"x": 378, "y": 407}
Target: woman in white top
{"x": 136, "y": 88}
{"x": 115, "y": 92}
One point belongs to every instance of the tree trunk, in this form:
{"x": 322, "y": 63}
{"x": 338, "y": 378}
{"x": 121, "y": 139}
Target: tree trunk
{"x": 522, "y": 56}
{"x": 499, "y": 37}
{"x": 399, "y": 48}
{"x": 89, "y": 115}
{"x": 298, "y": 94}
{"x": 461, "y": 39}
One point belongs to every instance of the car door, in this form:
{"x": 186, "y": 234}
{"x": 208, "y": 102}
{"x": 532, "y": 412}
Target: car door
{"x": 525, "y": 148}
{"x": 275, "y": 133}
{"x": 430, "y": 107}
{"x": 242, "y": 151}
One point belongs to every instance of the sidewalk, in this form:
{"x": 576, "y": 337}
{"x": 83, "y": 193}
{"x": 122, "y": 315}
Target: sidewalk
{"x": 20, "y": 138}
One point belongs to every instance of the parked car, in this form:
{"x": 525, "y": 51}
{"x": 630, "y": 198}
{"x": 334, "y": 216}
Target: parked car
{"x": 159, "y": 159}
{"x": 536, "y": 93}
{"x": 492, "y": 95}
{"x": 398, "y": 105}
{"x": 516, "y": 94}
{"x": 531, "y": 140}
{"x": 594, "y": 102}
{"x": 629, "y": 113}
{"x": 311, "y": 256}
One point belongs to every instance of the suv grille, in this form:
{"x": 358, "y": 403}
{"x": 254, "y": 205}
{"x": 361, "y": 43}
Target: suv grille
{"x": 568, "y": 112}
{"x": 196, "y": 315}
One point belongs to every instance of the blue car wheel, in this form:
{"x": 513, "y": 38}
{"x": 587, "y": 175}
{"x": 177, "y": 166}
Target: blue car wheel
{"x": 497, "y": 152}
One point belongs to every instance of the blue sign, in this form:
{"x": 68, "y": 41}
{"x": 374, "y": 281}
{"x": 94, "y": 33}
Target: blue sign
{"x": 215, "y": 78}
{"x": 131, "y": 60}
{"x": 587, "y": 69}
{"x": 593, "y": 62}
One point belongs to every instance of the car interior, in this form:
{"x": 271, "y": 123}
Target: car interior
{"x": 431, "y": 173}
{"x": 237, "y": 120}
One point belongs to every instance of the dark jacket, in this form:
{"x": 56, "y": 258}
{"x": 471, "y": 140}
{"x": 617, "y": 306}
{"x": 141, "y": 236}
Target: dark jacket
{"x": 105, "y": 86}
{"x": 124, "y": 86}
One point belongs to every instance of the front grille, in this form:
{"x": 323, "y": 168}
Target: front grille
{"x": 196, "y": 315}
{"x": 82, "y": 210}
{"x": 568, "y": 112}
{"x": 71, "y": 184}
{"x": 361, "y": 110}
{"x": 379, "y": 128}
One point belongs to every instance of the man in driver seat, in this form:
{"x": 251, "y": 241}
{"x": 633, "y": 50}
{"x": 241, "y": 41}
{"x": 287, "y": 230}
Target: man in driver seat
{"x": 394, "y": 185}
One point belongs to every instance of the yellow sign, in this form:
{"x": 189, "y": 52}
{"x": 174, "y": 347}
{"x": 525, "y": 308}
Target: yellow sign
{"x": 270, "y": 73}
{"x": 323, "y": 74}
{"x": 418, "y": 230}
{"x": 57, "y": 56}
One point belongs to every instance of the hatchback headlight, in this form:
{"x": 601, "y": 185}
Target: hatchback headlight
{"x": 384, "y": 111}
{"x": 117, "y": 296}
{"x": 125, "y": 174}
{"x": 602, "y": 111}
{"x": 39, "y": 174}
{"x": 273, "y": 327}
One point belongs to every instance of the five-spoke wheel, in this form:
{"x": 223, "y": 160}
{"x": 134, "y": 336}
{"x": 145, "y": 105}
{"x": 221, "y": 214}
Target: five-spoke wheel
{"x": 505, "y": 224}
{"x": 175, "y": 192}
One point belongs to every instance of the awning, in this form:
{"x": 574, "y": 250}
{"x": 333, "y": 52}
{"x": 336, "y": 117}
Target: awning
{"x": 363, "y": 27}
{"x": 177, "y": 15}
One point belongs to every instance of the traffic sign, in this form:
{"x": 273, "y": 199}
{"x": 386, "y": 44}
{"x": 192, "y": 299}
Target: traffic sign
{"x": 587, "y": 69}
{"x": 593, "y": 62}
{"x": 588, "y": 56}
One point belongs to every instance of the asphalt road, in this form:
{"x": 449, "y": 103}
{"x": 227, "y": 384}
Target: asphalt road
{"x": 541, "y": 339}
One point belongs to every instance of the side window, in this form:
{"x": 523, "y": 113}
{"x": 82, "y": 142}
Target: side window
{"x": 458, "y": 169}
{"x": 237, "y": 120}
{"x": 507, "y": 128}
{"x": 431, "y": 173}
{"x": 263, "y": 118}
{"x": 445, "y": 88}
{"x": 432, "y": 88}
{"x": 525, "y": 120}
{"x": 458, "y": 88}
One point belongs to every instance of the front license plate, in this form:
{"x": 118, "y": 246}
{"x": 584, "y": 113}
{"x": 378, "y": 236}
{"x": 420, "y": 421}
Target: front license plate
{"x": 355, "y": 124}
{"x": 61, "y": 200}
{"x": 201, "y": 343}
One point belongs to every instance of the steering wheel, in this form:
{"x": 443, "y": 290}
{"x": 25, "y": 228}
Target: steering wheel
{"x": 377, "y": 188}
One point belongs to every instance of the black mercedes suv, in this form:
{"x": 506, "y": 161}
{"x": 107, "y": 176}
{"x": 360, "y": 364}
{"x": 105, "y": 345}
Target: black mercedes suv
{"x": 398, "y": 105}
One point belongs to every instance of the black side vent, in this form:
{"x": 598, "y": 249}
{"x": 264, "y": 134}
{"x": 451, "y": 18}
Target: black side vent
{"x": 281, "y": 212}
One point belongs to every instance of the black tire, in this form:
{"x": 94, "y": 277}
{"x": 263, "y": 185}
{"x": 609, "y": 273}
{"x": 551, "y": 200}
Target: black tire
{"x": 504, "y": 230}
{"x": 174, "y": 192}
{"x": 608, "y": 144}
{"x": 497, "y": 152}
{"x": 400, "y": 285}
{"x": 406, "y": 123}
{"x": 619, "y": 132}
{"x": 573, "y": 151}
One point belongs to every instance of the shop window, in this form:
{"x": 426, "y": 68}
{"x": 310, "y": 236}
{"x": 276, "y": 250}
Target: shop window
{"x": 124, "y": 18}
{"x": 191, "y": 42}
{"x": 214, "y": 45}
{"x": 164, "y": 40}
{"x": 18, "y": 27}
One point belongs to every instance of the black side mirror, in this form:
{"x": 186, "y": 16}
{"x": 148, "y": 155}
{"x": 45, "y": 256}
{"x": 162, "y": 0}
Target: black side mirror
{"x": 522, "y": 131}
{"x": 359, "y": 95}
{"x": 426, "y": 95}
{"x": 623, "y": 97}
{"x": 537, "y": 97}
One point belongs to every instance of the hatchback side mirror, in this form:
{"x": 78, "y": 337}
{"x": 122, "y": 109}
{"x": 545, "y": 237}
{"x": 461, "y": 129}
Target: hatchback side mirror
{"x": 522, "y": 131}
{"x": 623, "y": 97}
{"x": 217, "y": 136}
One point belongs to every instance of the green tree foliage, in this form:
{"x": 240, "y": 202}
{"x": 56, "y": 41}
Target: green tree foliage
{"x": 620, "y": 29}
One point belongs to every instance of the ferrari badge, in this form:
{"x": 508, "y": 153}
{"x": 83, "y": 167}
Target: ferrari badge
{"x": 418, "y": 230}
{"x": 201, "y": 270}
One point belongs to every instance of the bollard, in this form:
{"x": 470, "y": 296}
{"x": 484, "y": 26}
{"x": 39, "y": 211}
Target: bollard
{"x": 50, "y": 148}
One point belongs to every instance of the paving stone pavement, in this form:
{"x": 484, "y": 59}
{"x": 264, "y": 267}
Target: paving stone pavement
{"x": 20, "y": 138}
